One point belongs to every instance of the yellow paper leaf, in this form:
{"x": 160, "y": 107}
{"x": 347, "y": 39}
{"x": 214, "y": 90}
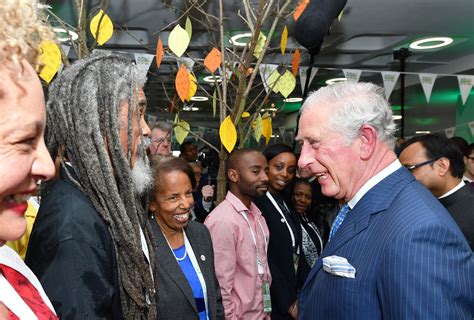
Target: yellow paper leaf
{"x": 188, "y": 27}
{"x": 159, "y": 52}
{"x": 182, "y": 82}
{"x": 267, "y": 129}
{"x": 296, "y": 62}
{"x": 284, "y": 39}
{"x": 178, "y": 40}
{"x": 274, "y": 80}
{"x": 181, "y": 131}
{"x": 228, "y": 134}
{"x": 103, "y": 32}
{"x": 50, "y": 58}
{"x": 258, "y": 127}
{"x": 260, "y": 44}
{"x": 245, "y": 114}
{"x": 192, "y": 86}
{"x": 213, "y": 60}
{"x": 286, "y": 84}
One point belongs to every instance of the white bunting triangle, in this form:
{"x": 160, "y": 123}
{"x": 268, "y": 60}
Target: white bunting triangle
{"x": 302, "y": 71}
{"x": 449, "y": 132}
{"x": 389, "y": 80}
{"x": 151, "y": 120}
{"x": 352, "y": 75}
{"x": 465, "y": 85}
{"x": 266, "y": 70}
{"x": 143, "y": 61}
{"x": 427, "y": 81}
{"x": 471, "y": 126}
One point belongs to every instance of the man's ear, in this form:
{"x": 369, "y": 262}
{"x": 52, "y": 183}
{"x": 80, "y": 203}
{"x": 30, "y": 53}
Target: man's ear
{"x": 233, "y": 175}
{"x": 442, "y": 166}
{"x": 368, "y": 138}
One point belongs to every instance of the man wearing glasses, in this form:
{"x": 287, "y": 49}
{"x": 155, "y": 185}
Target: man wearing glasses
{"x": 161, "y": 138}
{"x": 438, "y": 164}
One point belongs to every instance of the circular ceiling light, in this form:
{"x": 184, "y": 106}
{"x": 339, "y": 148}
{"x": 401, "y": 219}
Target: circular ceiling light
{"x": 212, "y": 79}
{"x": 199, "y": 98}
{"x": 65, "y": 35}
{"x": 295, "y": 99}
{"x": 431, "y": 43}
{"x": 235, "y": 39}
{"x": 397, "y": 117}
{"x": 335, "y": 80}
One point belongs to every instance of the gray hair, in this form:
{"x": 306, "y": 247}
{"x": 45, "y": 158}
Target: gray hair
{"x": 163, "y": 126}
{"x": 83, "y": 111}
{"x": 354, "y": 105}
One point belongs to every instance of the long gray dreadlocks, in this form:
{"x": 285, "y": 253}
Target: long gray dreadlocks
{"x": 83, "y": 110}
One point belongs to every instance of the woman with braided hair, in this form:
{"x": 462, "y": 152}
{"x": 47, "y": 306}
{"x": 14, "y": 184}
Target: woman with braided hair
{"x": 91, "y": 246}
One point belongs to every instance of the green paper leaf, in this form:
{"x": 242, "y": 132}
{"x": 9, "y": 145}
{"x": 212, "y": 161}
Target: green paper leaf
{"x": 214, "y": 103}
{"x": 189, "y": 27}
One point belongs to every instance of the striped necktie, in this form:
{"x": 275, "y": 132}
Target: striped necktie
{"x": 339, "y": 219}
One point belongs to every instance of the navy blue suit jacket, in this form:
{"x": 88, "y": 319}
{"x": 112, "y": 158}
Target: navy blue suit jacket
{"x": 411, "y": 260}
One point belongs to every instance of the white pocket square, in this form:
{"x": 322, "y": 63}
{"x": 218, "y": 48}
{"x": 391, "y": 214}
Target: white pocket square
{"x": 338, "y": 266}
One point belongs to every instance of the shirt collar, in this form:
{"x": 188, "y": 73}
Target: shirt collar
{"x": 453, "y": 190}
{"x": 391, "y": 168}
{"x": 239, "y": 205}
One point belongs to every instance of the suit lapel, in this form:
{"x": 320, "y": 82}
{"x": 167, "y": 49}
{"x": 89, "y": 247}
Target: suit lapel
{"x": 169, "y": 265}
{"x": 357, "y": 220}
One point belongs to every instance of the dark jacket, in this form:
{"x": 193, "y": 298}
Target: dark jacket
{"x": 72, "y": 253}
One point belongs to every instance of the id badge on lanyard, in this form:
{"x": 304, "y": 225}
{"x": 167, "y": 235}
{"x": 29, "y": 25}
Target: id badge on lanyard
{"x": 267, "y": 301}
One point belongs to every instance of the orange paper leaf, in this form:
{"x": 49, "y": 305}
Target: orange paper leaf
{"x": 296, "y": 62}
{"x": 299, "y": 9}
{"x": 159, "y": 52}
{"x": 213, "y": 60}
{"x": 182, "y": 82}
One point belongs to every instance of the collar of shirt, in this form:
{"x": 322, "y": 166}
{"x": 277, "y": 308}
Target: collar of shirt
{"x": 391, "y": 168}
{"x": 239, "y": 205}
{"x": 453, "y": 190}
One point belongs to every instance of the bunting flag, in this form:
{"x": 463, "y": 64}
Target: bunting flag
{"x": 389, "y": 81}
{"x": 449, "y": 132}
{"x": 471, "y": 126}
{"x": 427, "y": 81}
{"x": 303, "y": 71}
{"x": 143, "y": 61}
{"x": 465, "y": 85}
{"x": 151, "y": 120}
{"x": 65, "y": 50}
{"x": 352, "y": 75}
{"x": 188, "y": 62}
{"x": 265, "y": 72}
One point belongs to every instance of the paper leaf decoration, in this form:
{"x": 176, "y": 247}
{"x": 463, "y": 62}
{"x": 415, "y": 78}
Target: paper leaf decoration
{"x": 267, "y": 129}
{"x": 50, "y": 58}
{"x": 245, "y": 114}
{"x": 159, "y": 52}
{"x": 214, "y": 102}
{"x": 284, "y": 84}
{"x": 192, "y": 87}
{"x": 228, "y": 134}
{"x": 181, "y": 131}
{"x": 296, "y": 62}
{"x": 273, "y": 81}
{"x": 213, "y": 60}
{"x": 339, "y": 17}
{"x": 260, "y": 44}
{"x": 182, "y": 82}
{"x": 178, "y": 40}
{"x": 284, "y": 39}
{"x": 258, "y": 127}
{"x": 189, "y": 27}
{"x": 299, "y": 9}
{"x": 103, "y": 32}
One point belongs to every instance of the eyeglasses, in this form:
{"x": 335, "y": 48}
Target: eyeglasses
{"x": 413, "y": 167}
{"x": 470, "y": 158}
{"x": 161, "y": 140}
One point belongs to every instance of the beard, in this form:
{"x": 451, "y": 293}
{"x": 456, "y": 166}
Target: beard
{"x": 142, "y": 176}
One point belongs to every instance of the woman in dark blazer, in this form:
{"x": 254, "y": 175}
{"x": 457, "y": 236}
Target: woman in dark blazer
{"x": 187, "y": 284}
{"x": 285, "y": 258}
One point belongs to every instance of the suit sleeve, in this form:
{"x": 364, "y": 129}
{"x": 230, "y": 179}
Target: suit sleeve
{"x": 427, "y": 273}
{"x": 223, "y": 242}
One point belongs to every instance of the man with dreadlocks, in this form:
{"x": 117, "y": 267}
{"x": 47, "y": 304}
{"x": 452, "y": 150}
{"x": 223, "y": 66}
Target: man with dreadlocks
{"x": 91, "y": 247}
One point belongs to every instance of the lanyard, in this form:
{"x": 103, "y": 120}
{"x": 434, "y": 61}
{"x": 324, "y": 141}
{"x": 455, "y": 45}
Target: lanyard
{"x": 260, "y": 267}
{"x": 195, "y": 264}
{"x": 275, "y": 204}
{"x": 12, "y": 300}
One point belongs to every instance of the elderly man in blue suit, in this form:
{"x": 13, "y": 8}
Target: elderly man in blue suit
{"x": 394, "y": 252}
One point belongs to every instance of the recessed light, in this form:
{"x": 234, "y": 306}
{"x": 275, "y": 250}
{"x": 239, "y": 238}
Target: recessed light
{"x": 422, "y": 132}
{"x": 295, "y": 99}
{"x": 212, "y": 79}
{"x": 199, "y": 98}
{"x": 397, "y": 117}
{"x": 335, "y": 80}
{"x": 439, "y": 42}
{"x": 65, "y": 35}
{"x": 235, "y": 39}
